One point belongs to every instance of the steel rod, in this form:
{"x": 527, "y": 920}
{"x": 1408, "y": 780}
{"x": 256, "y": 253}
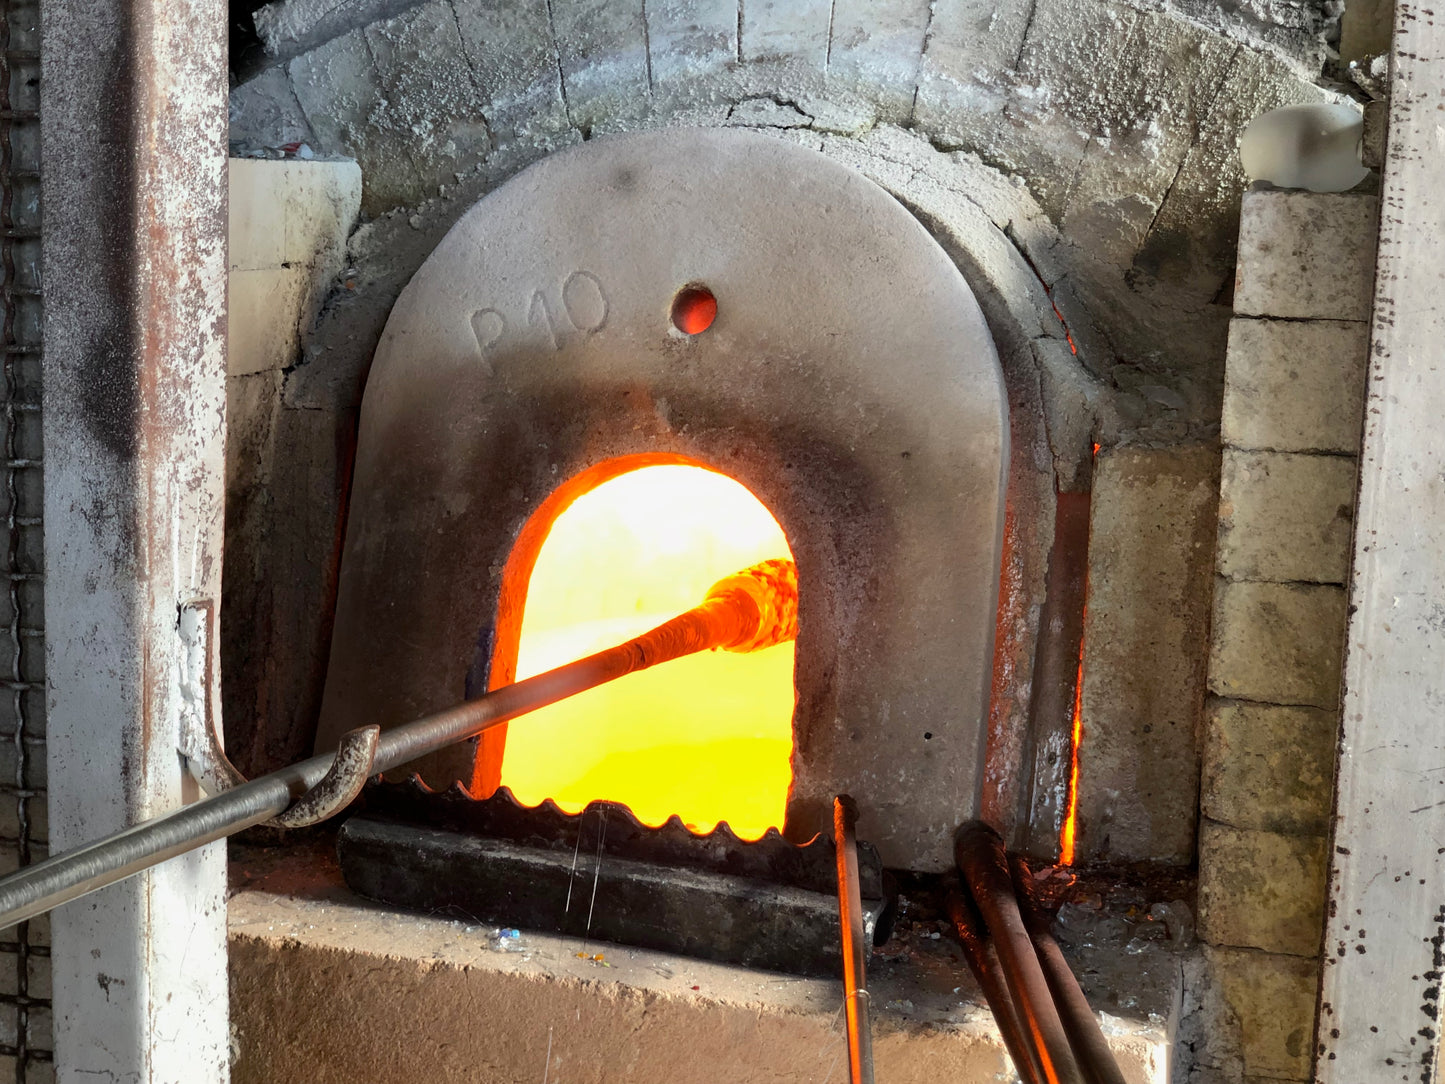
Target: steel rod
{"x": 979, "y": 852}
{"x": 855, "y": 946}
{"x": 1086, "y": 1038}
{"x": 742, "y": 613}
{"x": 982, "y": 960}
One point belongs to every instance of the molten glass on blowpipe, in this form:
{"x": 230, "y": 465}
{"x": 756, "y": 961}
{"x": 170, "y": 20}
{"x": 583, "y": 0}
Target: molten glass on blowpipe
{"x": 747, "y": 611}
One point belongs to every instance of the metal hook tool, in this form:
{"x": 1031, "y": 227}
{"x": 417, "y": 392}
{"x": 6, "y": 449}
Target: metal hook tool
{"x": 353, "y": 766}
{"x": 206, "y": 758}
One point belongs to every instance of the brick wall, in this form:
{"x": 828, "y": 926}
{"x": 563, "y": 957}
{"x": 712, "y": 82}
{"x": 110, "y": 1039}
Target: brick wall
{"x": 1293, "y": 397}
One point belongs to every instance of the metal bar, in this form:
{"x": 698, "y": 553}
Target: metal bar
{"x": 855, "y": 947}
{"x": 979, "y": 852}
{"x": 1056, "y": 676}
{"x": 982, "y": 960}
{"x": 735, "y": 616}
{"x": 1086, "y": 1039}
{"x": 1095, "y": 1059}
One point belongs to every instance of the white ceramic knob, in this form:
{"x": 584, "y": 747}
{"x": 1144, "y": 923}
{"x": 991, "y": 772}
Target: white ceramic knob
{"x": 1314, "y": 146}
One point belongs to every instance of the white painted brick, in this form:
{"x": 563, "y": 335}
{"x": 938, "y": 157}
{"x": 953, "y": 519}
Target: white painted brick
{"x": 786, "y": 29}
{"x": 1272, "y": 997}
{"x": 289, "y": 222}
{"x": 288, "y": 212}
{"x": 1277, "y": 643}
{"x": 879, "y": 43}
{"x": 1306, "y": 255}
{"x": 514, "y": 62}
{"x": 1295, "y": 386}
{"x": 1285, "y": 516}
{"x": 603, "y": 47}
{"x": 691, "y": 38}
{"x": 1269, "y": 767}
{"x": 257, "y": 219}
{"x": 265, "y": 308}
{"x": 323, "y": 200}
{"x": 1261, "y": 890}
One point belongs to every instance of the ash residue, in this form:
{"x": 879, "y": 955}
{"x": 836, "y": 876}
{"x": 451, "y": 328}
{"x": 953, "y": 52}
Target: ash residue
{"x": 1126, "y": 933}
{"x": 1301, "y": 31}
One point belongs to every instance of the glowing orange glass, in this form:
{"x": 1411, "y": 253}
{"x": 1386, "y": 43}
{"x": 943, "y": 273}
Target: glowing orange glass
{"x": 694, "y": 309}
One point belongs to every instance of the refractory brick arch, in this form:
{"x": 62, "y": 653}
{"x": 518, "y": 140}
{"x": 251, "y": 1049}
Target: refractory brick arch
{"x": 1075, "y": 160}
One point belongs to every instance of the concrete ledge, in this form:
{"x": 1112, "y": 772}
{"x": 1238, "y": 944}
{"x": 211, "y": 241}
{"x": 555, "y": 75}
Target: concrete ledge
{"x": 328, "y": 989}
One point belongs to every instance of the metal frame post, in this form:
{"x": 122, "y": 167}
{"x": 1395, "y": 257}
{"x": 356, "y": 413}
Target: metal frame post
{"x": 134, "y": 129}
{"x": 1385, "y": 925}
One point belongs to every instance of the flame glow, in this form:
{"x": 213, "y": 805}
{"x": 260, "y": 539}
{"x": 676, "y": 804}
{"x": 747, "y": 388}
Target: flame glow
{"x": 1068, "y": 831}
{"x": 708, "y": 737}
{"x": 1076, "y": 736}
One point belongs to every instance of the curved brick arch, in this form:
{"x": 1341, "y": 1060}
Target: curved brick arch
{"x": 1072, "y": 156}
{"x": 1121, "y": 123}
